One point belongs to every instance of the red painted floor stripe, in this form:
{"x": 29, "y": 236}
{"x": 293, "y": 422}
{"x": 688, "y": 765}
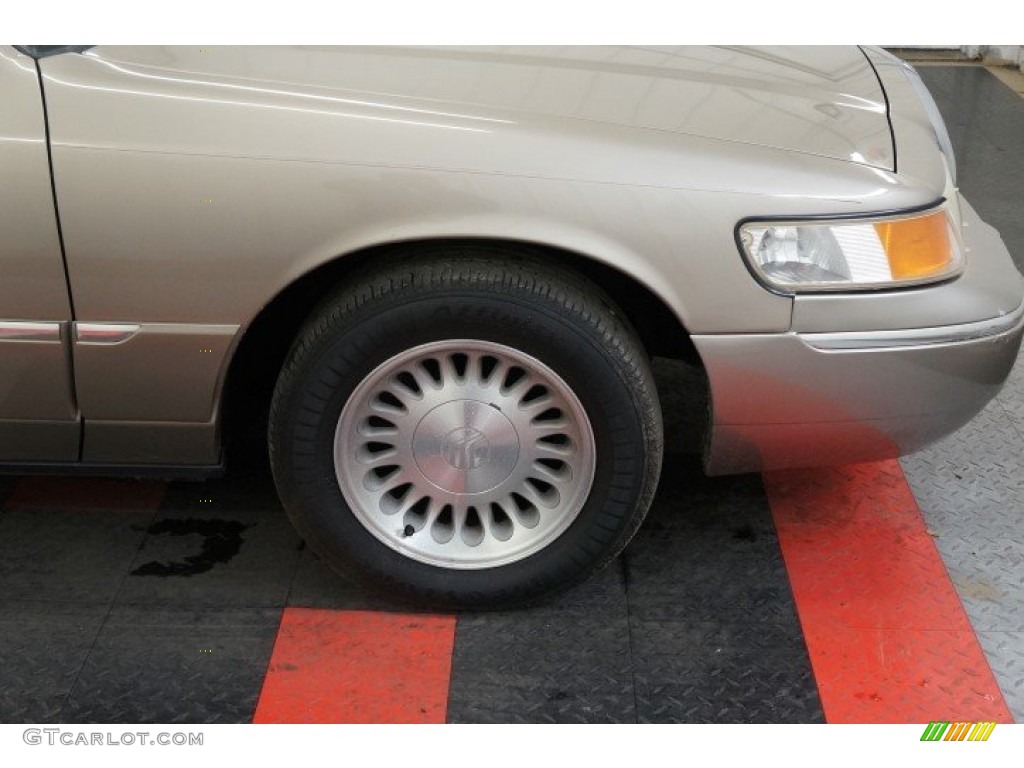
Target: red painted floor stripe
{"x": 888, "y": 638}
{"x": 358, "y": 667}
{"x": 85, "y": 493}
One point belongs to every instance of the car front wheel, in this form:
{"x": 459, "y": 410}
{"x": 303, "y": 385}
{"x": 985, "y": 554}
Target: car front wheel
{"x": 466, "y": 429}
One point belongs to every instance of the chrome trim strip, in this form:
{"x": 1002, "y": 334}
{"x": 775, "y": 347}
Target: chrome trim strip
{"x": 104, "y": 333}
{"x": 914, "y": 337}
{"x": 16, "y": 330}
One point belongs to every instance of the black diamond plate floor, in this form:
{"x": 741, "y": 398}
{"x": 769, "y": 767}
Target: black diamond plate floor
{"x": 696, "y": 623}
{"x": 970, "y": 486}
{"x": 165, "y": 609}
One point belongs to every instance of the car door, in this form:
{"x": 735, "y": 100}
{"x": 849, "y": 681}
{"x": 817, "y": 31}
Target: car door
{"x": 39, "y": 419}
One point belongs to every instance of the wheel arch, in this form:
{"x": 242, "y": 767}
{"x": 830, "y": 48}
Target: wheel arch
{"x": 251, "y": 372}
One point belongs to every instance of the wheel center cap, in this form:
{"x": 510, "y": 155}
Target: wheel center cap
{"x": 465, "y": 446}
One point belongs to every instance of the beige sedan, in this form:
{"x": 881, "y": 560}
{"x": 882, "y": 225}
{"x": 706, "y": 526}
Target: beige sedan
{"x": 437, "y": 276}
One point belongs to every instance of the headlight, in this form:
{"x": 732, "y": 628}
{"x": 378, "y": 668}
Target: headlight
{"x": 853, "y": 255}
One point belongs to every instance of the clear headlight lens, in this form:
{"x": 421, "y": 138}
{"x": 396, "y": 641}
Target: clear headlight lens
{"x": 854, "y": 255}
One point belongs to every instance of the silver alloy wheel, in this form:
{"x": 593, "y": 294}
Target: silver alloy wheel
{"x": 464, "y": 454}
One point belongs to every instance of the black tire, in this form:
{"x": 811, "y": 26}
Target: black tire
{"x": 484, "y": 293}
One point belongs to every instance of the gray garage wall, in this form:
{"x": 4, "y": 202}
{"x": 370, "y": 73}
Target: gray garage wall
{"x": 1011, "y": 53}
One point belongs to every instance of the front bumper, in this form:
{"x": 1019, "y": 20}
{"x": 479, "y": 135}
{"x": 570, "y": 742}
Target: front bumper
{"x": 828, "y": 396}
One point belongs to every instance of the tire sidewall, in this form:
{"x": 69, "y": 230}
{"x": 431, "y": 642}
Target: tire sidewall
{"x": 327, "y": 371}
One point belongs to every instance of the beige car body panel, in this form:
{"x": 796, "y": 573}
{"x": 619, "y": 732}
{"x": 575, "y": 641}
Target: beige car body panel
{"x": 38, "y": 415}
{"x": 161, "y": 406}
{"x": 194, "y": 185}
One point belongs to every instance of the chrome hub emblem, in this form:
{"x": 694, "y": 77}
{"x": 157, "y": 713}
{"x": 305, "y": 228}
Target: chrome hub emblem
{"x": 466, "y": 448}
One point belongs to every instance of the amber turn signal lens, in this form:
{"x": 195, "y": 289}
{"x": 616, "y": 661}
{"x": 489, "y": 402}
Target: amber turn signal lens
{"x": 918, "y": 248}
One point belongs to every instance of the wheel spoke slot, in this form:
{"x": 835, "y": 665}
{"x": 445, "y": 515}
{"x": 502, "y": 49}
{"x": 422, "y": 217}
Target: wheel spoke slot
{"x": 515, "y": 376}
{"x": 373, "y": 452}
{"x": 443, "y": 528}
{"x": 432, "y": 371}
{"x": 548, "y": 417}
{"x": 554, "y": 469}
{"x": 393, "y": 501}
{"x": 487, "y": 366}
{"x": 408, "y": 383}
{"x": 545, "y": 492}
{"x": 378, "y": 477}
{"x": 472, "y": 528}
{"x": 416, "y": 515}
{"x": 525, "y": 510}
{"x": 501, "y": 526}
{"x": 388, "y": 402}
